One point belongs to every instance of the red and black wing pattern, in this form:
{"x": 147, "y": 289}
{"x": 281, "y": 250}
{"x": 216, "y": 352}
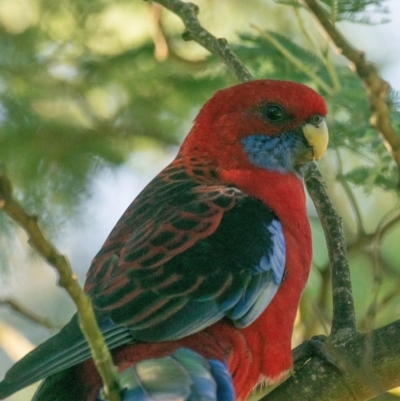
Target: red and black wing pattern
{"x": 183, "y": 255}
{"x": 167, "y": 217}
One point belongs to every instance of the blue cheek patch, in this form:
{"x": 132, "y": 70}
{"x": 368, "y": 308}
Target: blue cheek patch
{"x": 273, "y": 153}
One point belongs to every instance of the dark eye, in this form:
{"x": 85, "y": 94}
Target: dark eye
{"x": 273, "y": 112}
{"x": 316, "y": 120}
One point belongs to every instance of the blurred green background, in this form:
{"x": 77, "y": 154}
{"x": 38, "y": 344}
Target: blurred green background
{"x": 96, "y": 95}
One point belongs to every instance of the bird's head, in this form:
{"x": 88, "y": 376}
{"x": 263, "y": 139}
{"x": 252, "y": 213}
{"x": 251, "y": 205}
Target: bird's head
{"x": 274, "y": 125}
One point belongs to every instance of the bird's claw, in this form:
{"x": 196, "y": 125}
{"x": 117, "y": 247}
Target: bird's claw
{"x": 315, "y": 346}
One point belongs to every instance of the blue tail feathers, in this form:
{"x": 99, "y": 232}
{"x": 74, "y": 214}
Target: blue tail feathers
{"x": 184, "y": 375}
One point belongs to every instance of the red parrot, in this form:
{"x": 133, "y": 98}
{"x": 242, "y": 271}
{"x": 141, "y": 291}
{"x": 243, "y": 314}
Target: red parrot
{"x": 205, "y": 269}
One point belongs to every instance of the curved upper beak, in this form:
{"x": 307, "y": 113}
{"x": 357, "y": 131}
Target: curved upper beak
{"x": 318, "y": 137}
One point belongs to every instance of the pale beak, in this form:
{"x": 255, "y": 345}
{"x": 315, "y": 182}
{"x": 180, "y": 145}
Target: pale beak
{"x": 317, "y": 136}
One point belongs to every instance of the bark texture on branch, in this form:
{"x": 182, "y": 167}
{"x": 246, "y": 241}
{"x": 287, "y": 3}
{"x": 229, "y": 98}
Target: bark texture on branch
{"x": 344, "y": 317}
{"x": 359, "y": 378}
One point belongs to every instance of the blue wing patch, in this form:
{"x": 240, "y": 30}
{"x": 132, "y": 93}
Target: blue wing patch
{"x": 277, "y": 256}
{"x": 264, "y": 284}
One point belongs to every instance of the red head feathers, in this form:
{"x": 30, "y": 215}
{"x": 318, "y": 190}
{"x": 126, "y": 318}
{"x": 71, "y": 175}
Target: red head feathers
{"x": 264, "y": 107}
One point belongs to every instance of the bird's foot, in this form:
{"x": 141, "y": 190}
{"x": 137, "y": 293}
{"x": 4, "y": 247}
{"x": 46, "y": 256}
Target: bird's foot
{"x": 315, "y": 346}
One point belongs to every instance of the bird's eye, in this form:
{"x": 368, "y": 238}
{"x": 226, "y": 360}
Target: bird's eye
{"x": 316, "y": 120}
{"x": 273, "y": 112}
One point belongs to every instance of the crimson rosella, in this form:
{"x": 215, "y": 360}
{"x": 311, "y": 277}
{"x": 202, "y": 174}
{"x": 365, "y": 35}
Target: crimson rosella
{"x": 206, "y": 267}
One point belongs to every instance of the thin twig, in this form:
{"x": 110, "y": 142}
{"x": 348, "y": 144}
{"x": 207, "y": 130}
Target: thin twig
{"x": 386, "y": 223}
{"x": 350, "y": 195}
{"x": 161, "y": 49}
{"x": 336, "y": 86}
{"x": 68, "y": 280}
{"x": 333, "y": 75}
{"x": 377, "y": 89}
{"x": 383, "y": 303}
{"x": 300, "y": 22}
{"x": 294, "y": 60}
{"x": 29, "y": 314}
{"x": 194, "y": 31}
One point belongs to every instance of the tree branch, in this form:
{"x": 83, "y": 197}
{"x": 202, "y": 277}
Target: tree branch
{"x": 363, "y": 378}
{"x": 68, "y": 280}
{"x": 28, "y": 314}
{"x": 194, "y": 31}
{"x": 377, "y": 89}
{"x": 344, "y": 318}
